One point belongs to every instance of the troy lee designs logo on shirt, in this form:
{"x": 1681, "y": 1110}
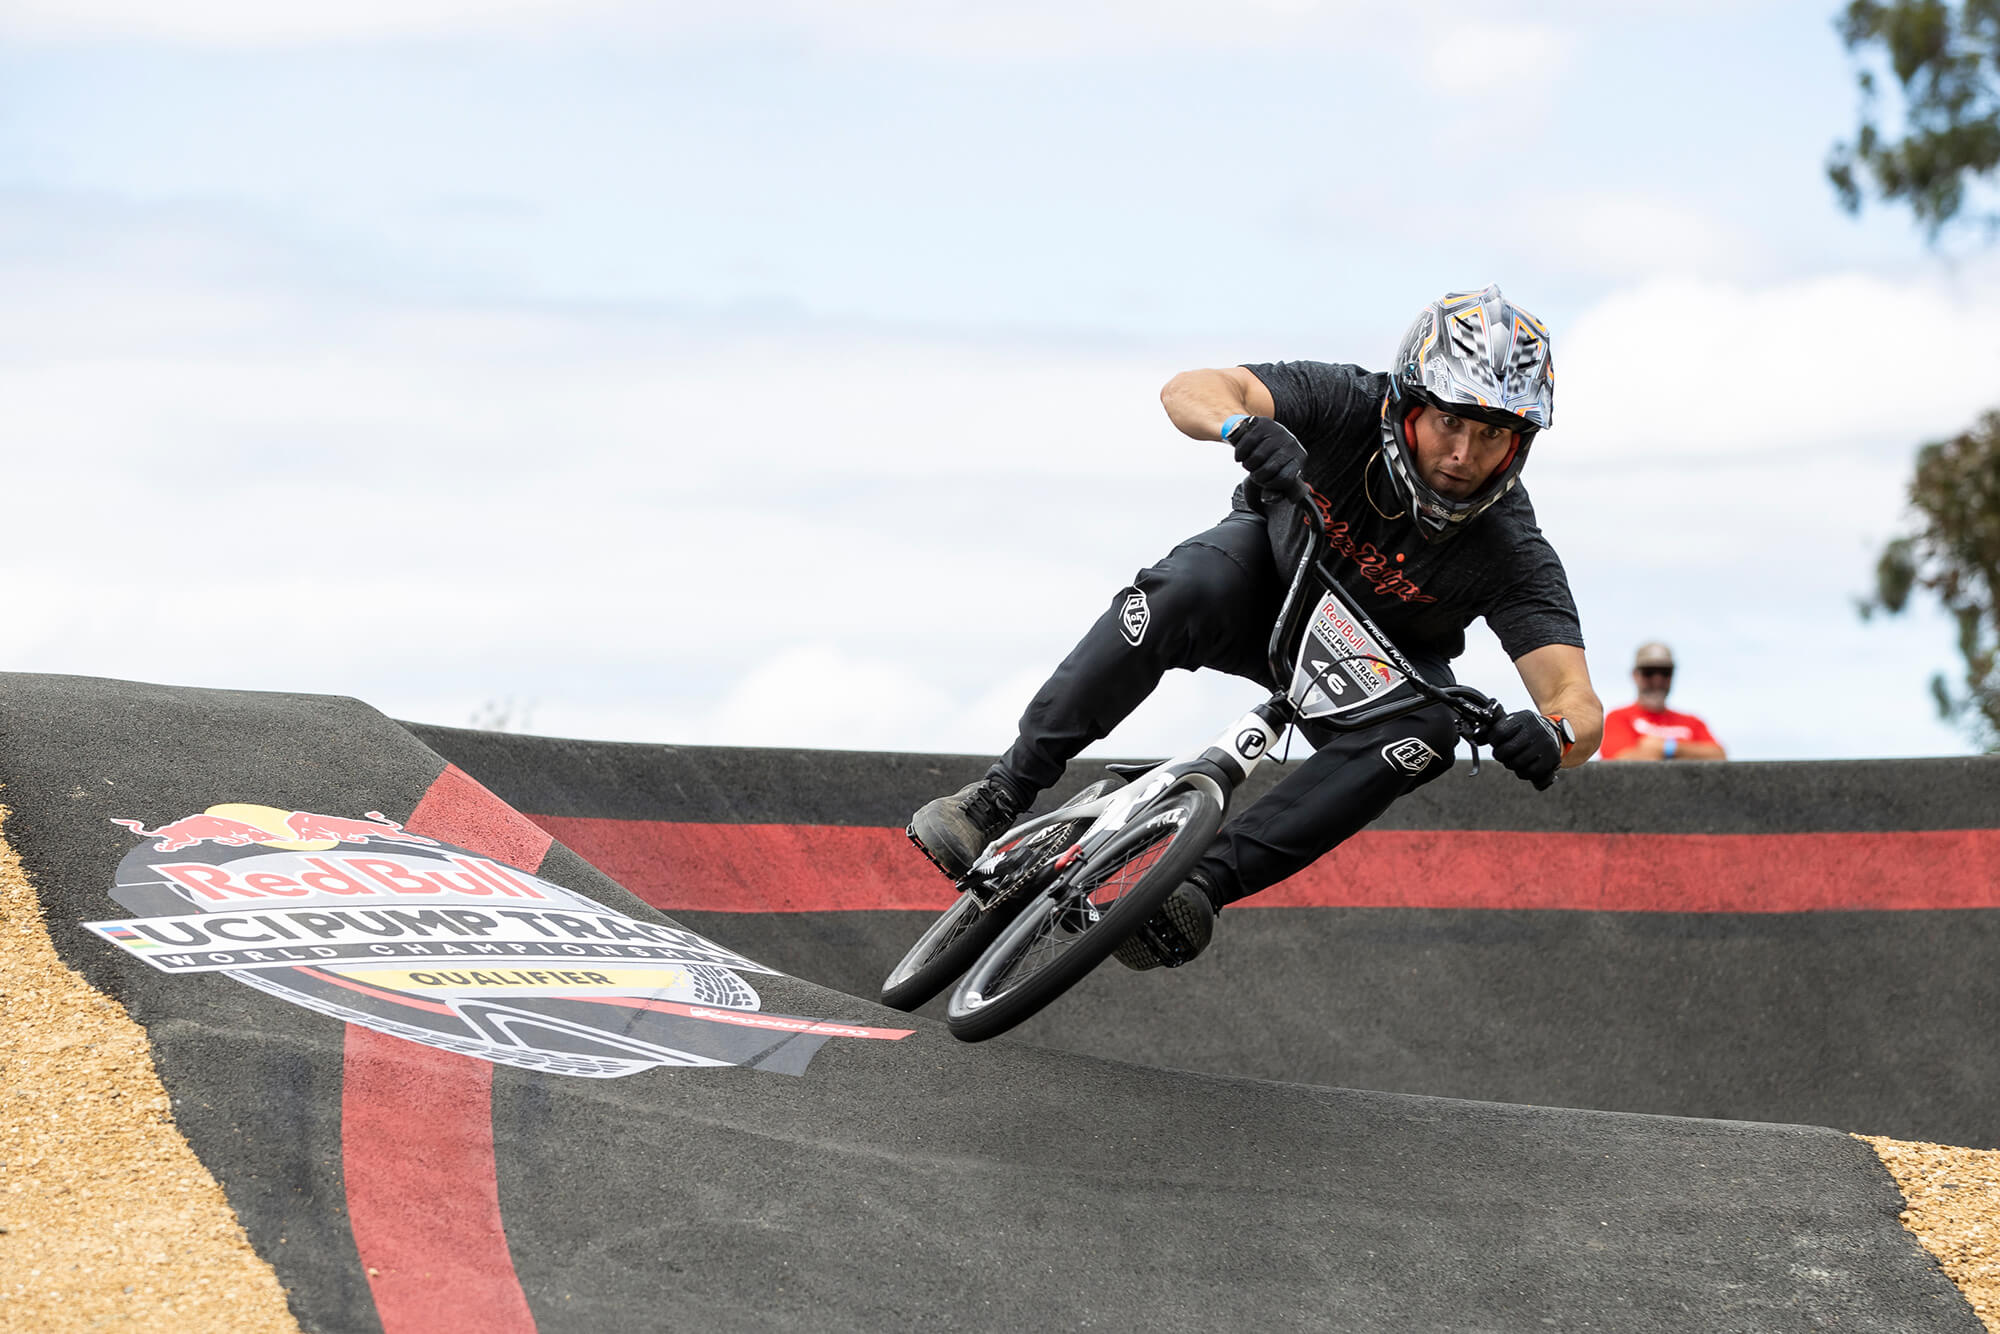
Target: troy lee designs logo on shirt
{"x": 1377, "y": 566}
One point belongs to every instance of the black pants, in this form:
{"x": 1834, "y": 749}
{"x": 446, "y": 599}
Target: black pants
{"x": 1211, "y": 603}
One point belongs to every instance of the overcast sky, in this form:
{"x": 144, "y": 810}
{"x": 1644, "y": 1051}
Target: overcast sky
{"x": 786, "y": 373}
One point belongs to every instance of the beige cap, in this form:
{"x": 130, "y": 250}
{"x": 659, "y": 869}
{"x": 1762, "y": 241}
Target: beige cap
{"x": 1653, "y": 655}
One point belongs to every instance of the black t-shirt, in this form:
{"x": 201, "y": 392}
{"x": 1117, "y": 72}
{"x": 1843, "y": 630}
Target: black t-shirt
{"x": 1422, "y": 594}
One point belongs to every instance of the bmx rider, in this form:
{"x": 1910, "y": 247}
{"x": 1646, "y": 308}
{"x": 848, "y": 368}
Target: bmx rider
{"x": 1416, "y": 472}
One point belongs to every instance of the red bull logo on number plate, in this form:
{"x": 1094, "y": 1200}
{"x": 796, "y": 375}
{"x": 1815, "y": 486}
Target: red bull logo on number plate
{"x": 366, "y": 922}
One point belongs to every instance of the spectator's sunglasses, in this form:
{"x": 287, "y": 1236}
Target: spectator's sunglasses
{"x": 1665, "y": 672}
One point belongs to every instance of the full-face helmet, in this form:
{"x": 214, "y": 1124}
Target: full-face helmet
{"x": 1479, "y": 356}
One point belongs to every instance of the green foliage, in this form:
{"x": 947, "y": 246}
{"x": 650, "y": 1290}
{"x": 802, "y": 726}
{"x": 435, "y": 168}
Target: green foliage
{"x": 1954, "y": 554}
{"x": 1946, "y": 61}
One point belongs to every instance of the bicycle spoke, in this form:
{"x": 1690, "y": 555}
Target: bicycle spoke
{"x": 1070, "y": 920}
{"x": 1124, "y": 876}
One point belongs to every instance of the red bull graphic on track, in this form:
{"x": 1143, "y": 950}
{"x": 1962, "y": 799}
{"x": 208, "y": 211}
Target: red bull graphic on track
{"x": 366, "y": 922}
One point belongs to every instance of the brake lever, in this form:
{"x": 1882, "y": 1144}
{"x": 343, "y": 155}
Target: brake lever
{"x": 1474, "y": 731}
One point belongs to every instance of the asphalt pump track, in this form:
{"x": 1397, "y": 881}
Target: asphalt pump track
{"x": 437, "y": 1070}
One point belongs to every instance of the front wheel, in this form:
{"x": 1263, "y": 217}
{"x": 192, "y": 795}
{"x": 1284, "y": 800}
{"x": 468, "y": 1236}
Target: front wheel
{"x": 1073, "y": 926}
{"x": 954, "y": 940}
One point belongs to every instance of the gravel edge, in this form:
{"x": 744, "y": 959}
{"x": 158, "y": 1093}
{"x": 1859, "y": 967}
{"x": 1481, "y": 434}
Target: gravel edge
{"x": 107, "y": 1218}
{"x": 1953, "y": 1208}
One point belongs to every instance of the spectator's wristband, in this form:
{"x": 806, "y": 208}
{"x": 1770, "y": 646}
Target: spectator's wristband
{"x": 1667, "y": 751}
{"x": 1231, "y": 423}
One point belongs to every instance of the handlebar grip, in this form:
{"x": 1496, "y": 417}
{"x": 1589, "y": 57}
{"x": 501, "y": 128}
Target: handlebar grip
{"x": 1303, "y": 494}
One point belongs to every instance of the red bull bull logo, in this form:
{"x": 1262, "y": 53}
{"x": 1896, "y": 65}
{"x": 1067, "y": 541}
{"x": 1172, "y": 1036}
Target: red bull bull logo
{"x": 308, "y": 827}
{"x": 192, "y": 829}
{"x": 237, "y": 826}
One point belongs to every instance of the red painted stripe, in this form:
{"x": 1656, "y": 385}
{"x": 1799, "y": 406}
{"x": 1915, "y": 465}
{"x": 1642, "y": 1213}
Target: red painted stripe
{"x": 416, "y": 1133}
{"x": 459, "y": 809}
{"x": 822, "y": 868}
{"x": 1688, "y": 873}
{"x": 416, "y": 1136}
{"x": 756, "y": 867}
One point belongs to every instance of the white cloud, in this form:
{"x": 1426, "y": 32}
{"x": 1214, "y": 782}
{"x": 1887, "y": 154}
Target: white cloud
{"x": 815, "y": 694}
{"x": 953, "y": 29}
{"x": 657, "y": 529}
{"x": 1494, "y": 63}
{"x": 255, "y": 482}
{"x": 250, "y": 22}
{"x": 1727, "y": 462}
{"x": 1027, "y": 27}
{"x": 1607, "y": 235}
{"x": 1628, "y": 236}
{"x": 1683, "y": 368}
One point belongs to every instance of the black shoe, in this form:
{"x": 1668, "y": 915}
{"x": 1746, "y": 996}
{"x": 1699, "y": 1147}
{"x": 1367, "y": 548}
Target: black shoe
{"x": 1175, "y": 934}
{"x": 952, "y": 831}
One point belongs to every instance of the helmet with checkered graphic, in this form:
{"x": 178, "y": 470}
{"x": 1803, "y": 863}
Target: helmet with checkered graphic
{"x": 1474, "y": 355}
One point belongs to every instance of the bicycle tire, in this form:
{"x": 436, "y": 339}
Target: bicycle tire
{"x": 1073, "y": 926}
{"x": 964, "y": 930}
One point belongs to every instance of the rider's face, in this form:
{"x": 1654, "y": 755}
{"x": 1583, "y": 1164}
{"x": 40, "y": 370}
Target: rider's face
{"x": 1455, "y": 455}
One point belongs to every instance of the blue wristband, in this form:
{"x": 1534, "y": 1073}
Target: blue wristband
{"x": 1229, "y": 424}
{"x": 1673, "y": 744}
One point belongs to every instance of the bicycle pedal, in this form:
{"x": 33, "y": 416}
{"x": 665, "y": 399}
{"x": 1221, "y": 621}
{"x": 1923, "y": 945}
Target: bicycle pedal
{"x": 943, "y": 870}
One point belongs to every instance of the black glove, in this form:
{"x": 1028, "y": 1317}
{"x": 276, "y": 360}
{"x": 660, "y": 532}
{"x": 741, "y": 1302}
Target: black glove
{"x": 1530, "y": 745}
{"x": 1268, "y": 452}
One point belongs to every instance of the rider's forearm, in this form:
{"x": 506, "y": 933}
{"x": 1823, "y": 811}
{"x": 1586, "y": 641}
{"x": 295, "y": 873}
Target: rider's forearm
{"x": 1579, "y": 704}
{"x": 1586, "y": 715}
{"x": 1558, "y": 680}
{"x": 1198, "y": 402}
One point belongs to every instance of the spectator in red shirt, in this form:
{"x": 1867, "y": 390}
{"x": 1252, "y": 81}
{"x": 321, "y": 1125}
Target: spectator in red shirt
{"x": 1649, "y": 730}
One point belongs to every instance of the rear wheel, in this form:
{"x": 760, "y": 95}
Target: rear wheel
{"x": 1074, "y": 925}
{"x": 962, "y": 933}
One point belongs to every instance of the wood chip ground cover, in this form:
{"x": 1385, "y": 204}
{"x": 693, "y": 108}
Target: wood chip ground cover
{"x": 107, "y": 1219}
{"x": 1953, "y": 1207}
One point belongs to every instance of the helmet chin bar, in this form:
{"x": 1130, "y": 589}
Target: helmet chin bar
{"x": 1439, "y": 518}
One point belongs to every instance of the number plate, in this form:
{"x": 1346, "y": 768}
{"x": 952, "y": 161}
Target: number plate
{"x": 1337, "y": 668}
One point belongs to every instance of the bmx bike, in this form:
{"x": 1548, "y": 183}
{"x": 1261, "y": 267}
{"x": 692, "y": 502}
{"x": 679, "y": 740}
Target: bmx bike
{"x": 1057, "y": 893}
